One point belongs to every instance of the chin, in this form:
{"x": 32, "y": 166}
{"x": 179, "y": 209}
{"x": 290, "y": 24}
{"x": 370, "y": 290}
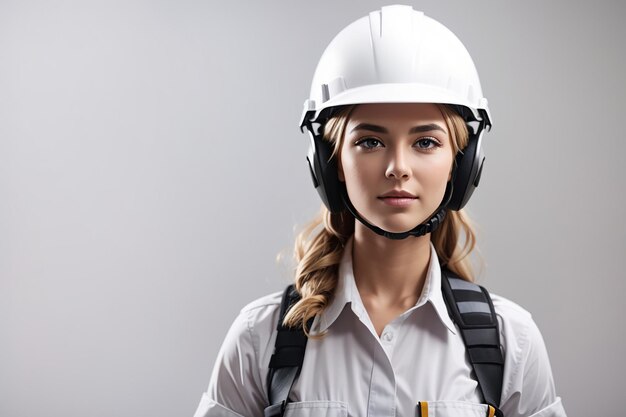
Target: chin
{"x": 399, "y": 225}
{"x": 398, "y": 228}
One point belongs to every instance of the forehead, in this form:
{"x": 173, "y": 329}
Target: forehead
{"x": 394, "y": 114}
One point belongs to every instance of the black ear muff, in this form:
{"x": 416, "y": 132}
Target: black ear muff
{"x": 323, "y": 170}
{"x": 468, "y": 170}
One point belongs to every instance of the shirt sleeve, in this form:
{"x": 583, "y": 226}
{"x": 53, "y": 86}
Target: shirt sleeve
{"x": 235, "y": 389}
{"x": 528, "y": 386}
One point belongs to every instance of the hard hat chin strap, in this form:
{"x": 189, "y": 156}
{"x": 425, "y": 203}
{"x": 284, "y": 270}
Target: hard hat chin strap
{"x": 428, "y": 226}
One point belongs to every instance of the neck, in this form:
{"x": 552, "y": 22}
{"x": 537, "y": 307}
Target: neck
{"x": 392, "y": 271}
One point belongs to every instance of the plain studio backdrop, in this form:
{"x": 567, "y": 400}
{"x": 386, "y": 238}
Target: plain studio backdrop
{"x": 151, "y": 168}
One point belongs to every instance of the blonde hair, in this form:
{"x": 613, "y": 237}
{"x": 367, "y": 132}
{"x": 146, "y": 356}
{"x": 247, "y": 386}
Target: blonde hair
{"x": 319, "y": 246}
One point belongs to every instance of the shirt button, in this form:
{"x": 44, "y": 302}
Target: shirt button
{"x": 388, "y": 336}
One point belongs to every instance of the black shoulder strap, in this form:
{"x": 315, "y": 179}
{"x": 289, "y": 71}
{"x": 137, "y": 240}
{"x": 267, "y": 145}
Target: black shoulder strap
{"x": 471, "y": 309}
{"x": 286, "y": 362}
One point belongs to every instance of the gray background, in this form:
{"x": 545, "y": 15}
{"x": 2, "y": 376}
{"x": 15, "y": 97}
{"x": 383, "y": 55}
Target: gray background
{"x": 151, "y": 169}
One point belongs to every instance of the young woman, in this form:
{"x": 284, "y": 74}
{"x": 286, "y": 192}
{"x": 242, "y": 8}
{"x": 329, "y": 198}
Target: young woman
{"x": 396, "y": 115}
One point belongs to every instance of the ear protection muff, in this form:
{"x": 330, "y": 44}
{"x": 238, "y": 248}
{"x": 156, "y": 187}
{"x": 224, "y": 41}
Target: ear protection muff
{"x": 469, "y": 167}
{"x": 323, "y": 169}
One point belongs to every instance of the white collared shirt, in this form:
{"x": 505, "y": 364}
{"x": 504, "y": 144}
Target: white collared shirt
{"x": 420, "y": 356}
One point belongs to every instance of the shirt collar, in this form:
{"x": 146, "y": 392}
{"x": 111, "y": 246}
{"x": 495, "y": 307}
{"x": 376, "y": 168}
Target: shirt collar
{"x": 346, "y": 292}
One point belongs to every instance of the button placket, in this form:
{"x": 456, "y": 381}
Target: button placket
{"x": 388, "y": 338}
{"x": 382, "y": 386}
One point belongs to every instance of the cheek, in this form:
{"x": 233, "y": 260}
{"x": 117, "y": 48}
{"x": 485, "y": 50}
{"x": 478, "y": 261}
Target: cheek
{"x": 348, "y": 166}
{"x": 340, "y": 171}
{"x": 358, "y": 175}
{"x": 352, "y": 171}
{"x": 342, "y": 161}
{"x": 436, "y": 172}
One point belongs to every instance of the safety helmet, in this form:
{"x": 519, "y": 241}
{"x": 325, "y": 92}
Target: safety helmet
{"x": 396, "y": 55}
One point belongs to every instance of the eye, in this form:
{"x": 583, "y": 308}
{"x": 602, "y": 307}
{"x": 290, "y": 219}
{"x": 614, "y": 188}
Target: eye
{"x": 427, "y": 143}
{"x": 369, "y": 143}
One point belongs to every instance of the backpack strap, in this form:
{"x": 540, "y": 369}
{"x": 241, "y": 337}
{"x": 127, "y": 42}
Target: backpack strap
{"x": 286, "y": 362}
{"x": 471, "y": 308}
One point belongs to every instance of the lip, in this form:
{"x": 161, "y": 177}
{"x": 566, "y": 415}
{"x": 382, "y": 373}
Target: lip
{"x": 398, "y": 198}
{"x": 398, "y": 201}
{"x": 398, "y": 194}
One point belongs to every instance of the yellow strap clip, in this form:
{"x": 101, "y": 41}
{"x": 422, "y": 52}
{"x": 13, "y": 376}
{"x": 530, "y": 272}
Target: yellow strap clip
{"x": 491, "y": 411}
{"x": 423, "y": 408}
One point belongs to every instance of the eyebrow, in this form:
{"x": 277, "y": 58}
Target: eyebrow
{"x": 381, "y": 129}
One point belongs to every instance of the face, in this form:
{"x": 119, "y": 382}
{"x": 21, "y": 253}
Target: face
{"x": 396, "y": 160}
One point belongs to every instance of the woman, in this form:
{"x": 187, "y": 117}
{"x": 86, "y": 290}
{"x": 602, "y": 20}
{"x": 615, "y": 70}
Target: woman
{"x": 396, "y": 115}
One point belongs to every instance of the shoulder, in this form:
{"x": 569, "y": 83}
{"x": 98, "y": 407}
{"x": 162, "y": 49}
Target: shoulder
{"x": 261, "y": 314}
{"x": 238, "y": 381}
{"x": 526, "y": 364}
{"x": 269, "y": 301}
{"x": 258, "y": 316}
{"x": 518, "y": 330}
{"x": 510, "y": 313}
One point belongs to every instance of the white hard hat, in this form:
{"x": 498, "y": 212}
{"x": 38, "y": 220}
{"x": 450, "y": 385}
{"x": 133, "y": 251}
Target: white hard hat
{"x": 395, "y": 55}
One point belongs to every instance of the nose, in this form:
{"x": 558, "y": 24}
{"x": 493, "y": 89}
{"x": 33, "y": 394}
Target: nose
{"x": 398, "y": 166}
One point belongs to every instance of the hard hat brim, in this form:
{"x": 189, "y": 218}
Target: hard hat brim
{"x": 391, "y": 93}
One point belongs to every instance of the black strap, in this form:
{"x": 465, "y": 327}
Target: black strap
{"x": 286, "y": 362}
{"x": 471, "y": 308}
